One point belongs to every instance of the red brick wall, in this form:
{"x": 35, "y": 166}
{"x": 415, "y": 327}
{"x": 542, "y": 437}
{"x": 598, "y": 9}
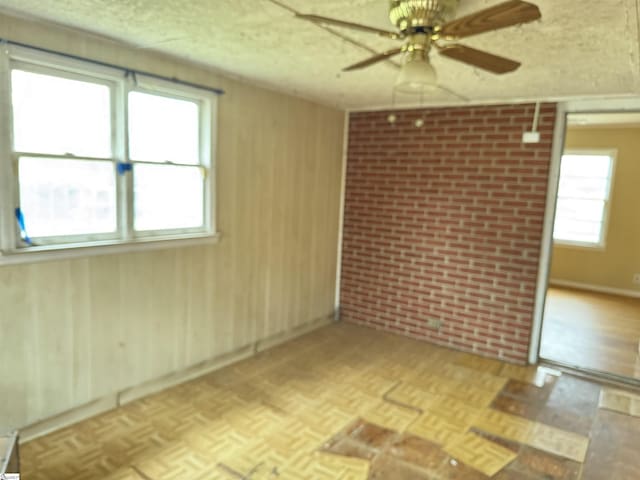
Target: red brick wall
{"x": 444, "y": 222}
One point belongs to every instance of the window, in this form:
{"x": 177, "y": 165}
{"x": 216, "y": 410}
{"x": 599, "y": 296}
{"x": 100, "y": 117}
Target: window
{"x": 583, "y": 198}
{"x": 95, "y": 157}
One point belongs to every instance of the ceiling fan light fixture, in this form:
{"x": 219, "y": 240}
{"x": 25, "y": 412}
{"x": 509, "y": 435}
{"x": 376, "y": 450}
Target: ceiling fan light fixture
{"x": 419, "y": 23}
{"x": 416, "y": 75}
{"x": 406, "y": 14}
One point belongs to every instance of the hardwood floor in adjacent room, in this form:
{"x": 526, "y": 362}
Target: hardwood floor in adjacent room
{"x": 592, "y": 330}
{"x": 350, "y": 403}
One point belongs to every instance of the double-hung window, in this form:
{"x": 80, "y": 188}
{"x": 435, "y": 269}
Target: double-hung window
{"x": 93, "y": 157}
{"x": 584, "y": 193}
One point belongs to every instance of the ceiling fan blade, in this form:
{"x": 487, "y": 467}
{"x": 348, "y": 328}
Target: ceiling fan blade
{"x": 355, "y": 26}
{"x": 478, "y": 58}
{"x": 372, "y": 60}
{"x": 502, "y": 15}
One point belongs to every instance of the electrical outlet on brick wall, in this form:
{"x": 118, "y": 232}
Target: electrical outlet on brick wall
{"x": 434, "y": 323}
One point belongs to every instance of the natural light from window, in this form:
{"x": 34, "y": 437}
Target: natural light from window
{"x": 583, "y": 199}
{"x": 163, "y": 129}
{"x": 102, "y": 158}
{"x": 67, "y": 197}
{"x": 167, "y": 197}
{"x": 59, "y": 116}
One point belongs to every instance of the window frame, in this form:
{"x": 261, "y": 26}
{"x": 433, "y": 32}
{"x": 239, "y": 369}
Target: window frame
{"x": 115, "y": 141}
{"x": 612, "y": 153}
{"x": 120, "y": 84}
{"x": 158, "y": 87}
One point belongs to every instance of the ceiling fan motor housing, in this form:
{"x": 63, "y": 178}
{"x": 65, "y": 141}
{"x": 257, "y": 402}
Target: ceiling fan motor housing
{"x": 411, "y": 15}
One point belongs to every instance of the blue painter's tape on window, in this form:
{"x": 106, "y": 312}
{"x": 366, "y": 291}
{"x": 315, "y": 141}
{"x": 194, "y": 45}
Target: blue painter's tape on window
{"x": 23, "y": 228}
{"x": 124, "y": 168}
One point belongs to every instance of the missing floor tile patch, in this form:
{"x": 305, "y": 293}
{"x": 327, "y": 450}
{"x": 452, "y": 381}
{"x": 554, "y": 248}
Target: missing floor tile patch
{"x": 620, "y": 401}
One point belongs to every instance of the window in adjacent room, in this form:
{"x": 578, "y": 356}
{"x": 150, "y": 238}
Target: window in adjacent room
{"x": 98, "y": 158}
{"x": 583, "y": 198}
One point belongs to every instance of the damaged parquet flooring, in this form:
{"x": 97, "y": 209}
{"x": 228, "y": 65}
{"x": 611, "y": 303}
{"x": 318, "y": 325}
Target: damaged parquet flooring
{"x": 350, "y": 403}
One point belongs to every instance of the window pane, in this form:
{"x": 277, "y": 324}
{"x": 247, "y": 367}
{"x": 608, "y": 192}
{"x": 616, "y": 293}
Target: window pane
{"x": 67, "y": 197}
{"x": 582, "y": 195}
{"x": 598, "y": 166}
{"x": 59, "y": 116}
{"x": 588, "y": 210}
{"x": 163, "y": 129}
{"x": 577, "y": 231}
{"x": 168, "y": 197}
{"x": 581, "y": 187}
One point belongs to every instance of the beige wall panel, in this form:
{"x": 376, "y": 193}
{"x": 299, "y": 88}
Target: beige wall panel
{"x": 15, "y": 354}
{"x": 76, "y": 330}
{"x": 614, "y": 266}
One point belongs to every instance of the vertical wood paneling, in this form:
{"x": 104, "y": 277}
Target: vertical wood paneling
{"x": 75, "y": 330}
{"x": 15, "y": 380}
{"x": 80, "y": 307}
{"x": 107, "y": 352}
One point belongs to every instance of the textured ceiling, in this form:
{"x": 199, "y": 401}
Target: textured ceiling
{"x": 580, "y": 48}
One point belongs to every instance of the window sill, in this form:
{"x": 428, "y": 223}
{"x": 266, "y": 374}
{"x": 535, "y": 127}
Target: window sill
{"x": 50, "y": 253}
{"x": 580, "y": 246}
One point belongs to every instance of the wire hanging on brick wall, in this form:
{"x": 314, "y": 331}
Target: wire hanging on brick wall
{"x": 419, "y": 123}
{"x": 392, "y": 117}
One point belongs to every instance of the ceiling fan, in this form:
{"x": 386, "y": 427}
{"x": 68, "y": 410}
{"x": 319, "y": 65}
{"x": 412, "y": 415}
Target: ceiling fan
{"x": 423, "y": 24}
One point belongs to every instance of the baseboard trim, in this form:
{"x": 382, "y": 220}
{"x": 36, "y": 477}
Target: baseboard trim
{"x": 75, "y": 415}
{"x": 295, "y": 332}
{"x": 128, "y": 395}
{"x": 594, "y": 288}
{"x": 167, "y": 381}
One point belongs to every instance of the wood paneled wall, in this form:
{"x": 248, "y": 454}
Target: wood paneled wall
{"x": 75, "y": 330}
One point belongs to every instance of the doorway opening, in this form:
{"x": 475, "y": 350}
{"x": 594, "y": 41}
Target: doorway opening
{"x": 591, "y": 319}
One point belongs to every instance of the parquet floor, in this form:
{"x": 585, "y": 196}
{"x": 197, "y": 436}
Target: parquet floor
{"x": 592, "y": 330}
{"x": 346, "y": 402}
